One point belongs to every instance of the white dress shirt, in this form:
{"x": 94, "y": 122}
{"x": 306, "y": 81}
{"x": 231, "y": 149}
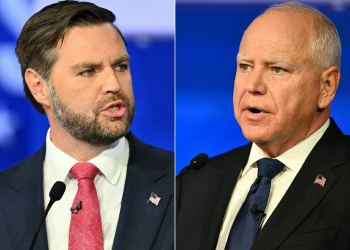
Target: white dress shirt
{"x": 293, "y": 159}
{"x": 109, "y": 183}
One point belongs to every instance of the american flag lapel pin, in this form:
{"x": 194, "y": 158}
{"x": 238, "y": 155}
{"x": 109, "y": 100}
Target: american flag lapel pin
{"x": 320, "y": 180}
{"x": 154, "y": 199}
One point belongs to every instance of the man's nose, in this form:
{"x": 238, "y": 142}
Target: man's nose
{"x": 256, "y": 83}
{"x": 111, "y": 83}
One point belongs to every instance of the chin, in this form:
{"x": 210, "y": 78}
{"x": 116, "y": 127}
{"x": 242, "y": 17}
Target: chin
{"x": 257, "y": 135}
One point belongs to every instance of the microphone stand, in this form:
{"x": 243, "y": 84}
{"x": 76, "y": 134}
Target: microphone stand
{"x": 41, "y": 223}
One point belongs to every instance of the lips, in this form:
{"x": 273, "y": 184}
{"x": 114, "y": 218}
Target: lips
{"x": 114, "y": 109}
{"x": 255, "y": 113}
{"x": 254, "y": 110}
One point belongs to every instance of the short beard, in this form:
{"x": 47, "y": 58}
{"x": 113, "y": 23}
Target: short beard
{"x": 89, "y": 129}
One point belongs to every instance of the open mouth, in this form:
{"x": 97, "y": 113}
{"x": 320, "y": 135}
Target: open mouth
{"x": 255, "y": 111}
{"x": 114, "y": 108}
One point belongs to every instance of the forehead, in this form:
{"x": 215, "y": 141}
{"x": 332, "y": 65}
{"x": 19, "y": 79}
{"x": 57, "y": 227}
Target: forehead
{"x": 279, "y": 34}
{"x": 91, "y": 43}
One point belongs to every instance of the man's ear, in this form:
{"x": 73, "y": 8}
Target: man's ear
{"x": 328, "y": 87}
{"x": 38, "y": 86}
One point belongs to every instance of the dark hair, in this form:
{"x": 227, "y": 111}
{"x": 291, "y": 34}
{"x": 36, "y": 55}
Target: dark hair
{"x": 44, "y": 30}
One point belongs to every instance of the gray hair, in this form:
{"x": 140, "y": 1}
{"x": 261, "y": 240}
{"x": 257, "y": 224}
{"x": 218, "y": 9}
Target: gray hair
{"x": 325, "y": 47}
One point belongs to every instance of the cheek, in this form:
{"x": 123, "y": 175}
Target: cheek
{"x": 84, "y": 99}
{"x": 238, "y": 92}
{"x": 296, "y": 104}
{"x": 287, "y": 102}
{"x": 128, "y": 90}
{"x": 131, "y": 97}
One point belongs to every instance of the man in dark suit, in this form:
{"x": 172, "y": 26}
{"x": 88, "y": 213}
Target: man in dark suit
{"x": 287, "y": 75}
{"x": 75, "y": 69}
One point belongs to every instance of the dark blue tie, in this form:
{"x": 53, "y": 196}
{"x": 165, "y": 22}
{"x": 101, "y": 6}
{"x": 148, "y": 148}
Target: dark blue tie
{"x": 246, "y": 225}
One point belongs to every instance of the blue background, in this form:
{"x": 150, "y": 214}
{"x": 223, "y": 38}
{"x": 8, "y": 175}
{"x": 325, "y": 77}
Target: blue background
{"x": 23, "y": 130}
{"x": 207, "y": 41}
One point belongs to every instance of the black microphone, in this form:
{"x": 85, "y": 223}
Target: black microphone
{"x": 75, "y": 210}
{"x": 56, "y": 194}
{"x": 257, "y": 214}
{"x": 196, "y": 163}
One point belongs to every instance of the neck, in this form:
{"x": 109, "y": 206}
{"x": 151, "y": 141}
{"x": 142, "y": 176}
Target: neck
{"x": 77, "y": 149}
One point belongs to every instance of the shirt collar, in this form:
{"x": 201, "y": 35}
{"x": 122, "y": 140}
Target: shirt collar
{"x": 294, "y": 157}
{"x": 109, "y": 162}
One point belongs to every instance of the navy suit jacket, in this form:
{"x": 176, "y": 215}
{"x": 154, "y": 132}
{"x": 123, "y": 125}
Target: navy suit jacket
{"x": 141, "y": 225}
{"x": 308, "y": 217}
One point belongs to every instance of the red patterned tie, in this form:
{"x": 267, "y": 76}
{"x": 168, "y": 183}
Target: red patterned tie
{"x": 85, "y": 231}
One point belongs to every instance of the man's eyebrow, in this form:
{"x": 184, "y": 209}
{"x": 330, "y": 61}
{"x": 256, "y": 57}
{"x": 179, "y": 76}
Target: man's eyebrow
{"x": 241, "y": 57}
{"x": 123, "y": 58}
{"x": 277, "y": 61}
{"x": 89, "y": 65}
{"x": 85, "y": 65}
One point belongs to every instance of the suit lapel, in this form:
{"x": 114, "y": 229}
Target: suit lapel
{"x": 226, "y": 174}
{"x": 27, "y": 186}
{"x": 303, "y": 195}
{"x": 138, "y": 220}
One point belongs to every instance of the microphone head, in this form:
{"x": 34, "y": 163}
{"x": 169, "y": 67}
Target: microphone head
{"x": 57, "y": 191}
{"x": 199, "y": 161}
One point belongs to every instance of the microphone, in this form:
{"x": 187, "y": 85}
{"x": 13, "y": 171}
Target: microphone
{"x": 257, "y": 214}
{"x": 55, "y": 194}
{"x": 75, "y": 210}
{"x": 196, "y": 163}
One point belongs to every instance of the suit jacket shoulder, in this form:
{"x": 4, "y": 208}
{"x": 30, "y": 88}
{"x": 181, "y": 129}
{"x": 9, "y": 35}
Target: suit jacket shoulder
{"x": 22, "y": 202}
{"x": 203, "y": 196}
{"x": 149, "y": 168}
{"x": 142, "y": 224}
{"x": 312, "y": 216}
{"x": 309, "y": 216}
{"x": 159, "y": 159}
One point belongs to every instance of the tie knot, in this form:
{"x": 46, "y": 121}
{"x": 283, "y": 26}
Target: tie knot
{"x": 269, "y": 167}
{"x": 84, "y": 170}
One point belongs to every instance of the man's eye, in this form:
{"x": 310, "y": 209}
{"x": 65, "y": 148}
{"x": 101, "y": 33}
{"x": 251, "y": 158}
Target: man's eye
{"x": 277, "y": 70}
{"x": 88, "y": 72}
{"x": 122, "y": 67}
{"x": 244, "y": 66}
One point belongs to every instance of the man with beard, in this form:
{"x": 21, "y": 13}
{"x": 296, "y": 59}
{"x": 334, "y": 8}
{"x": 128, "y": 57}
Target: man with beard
{"x": 75, "y": 68}
{"x": 288, "y": 188}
